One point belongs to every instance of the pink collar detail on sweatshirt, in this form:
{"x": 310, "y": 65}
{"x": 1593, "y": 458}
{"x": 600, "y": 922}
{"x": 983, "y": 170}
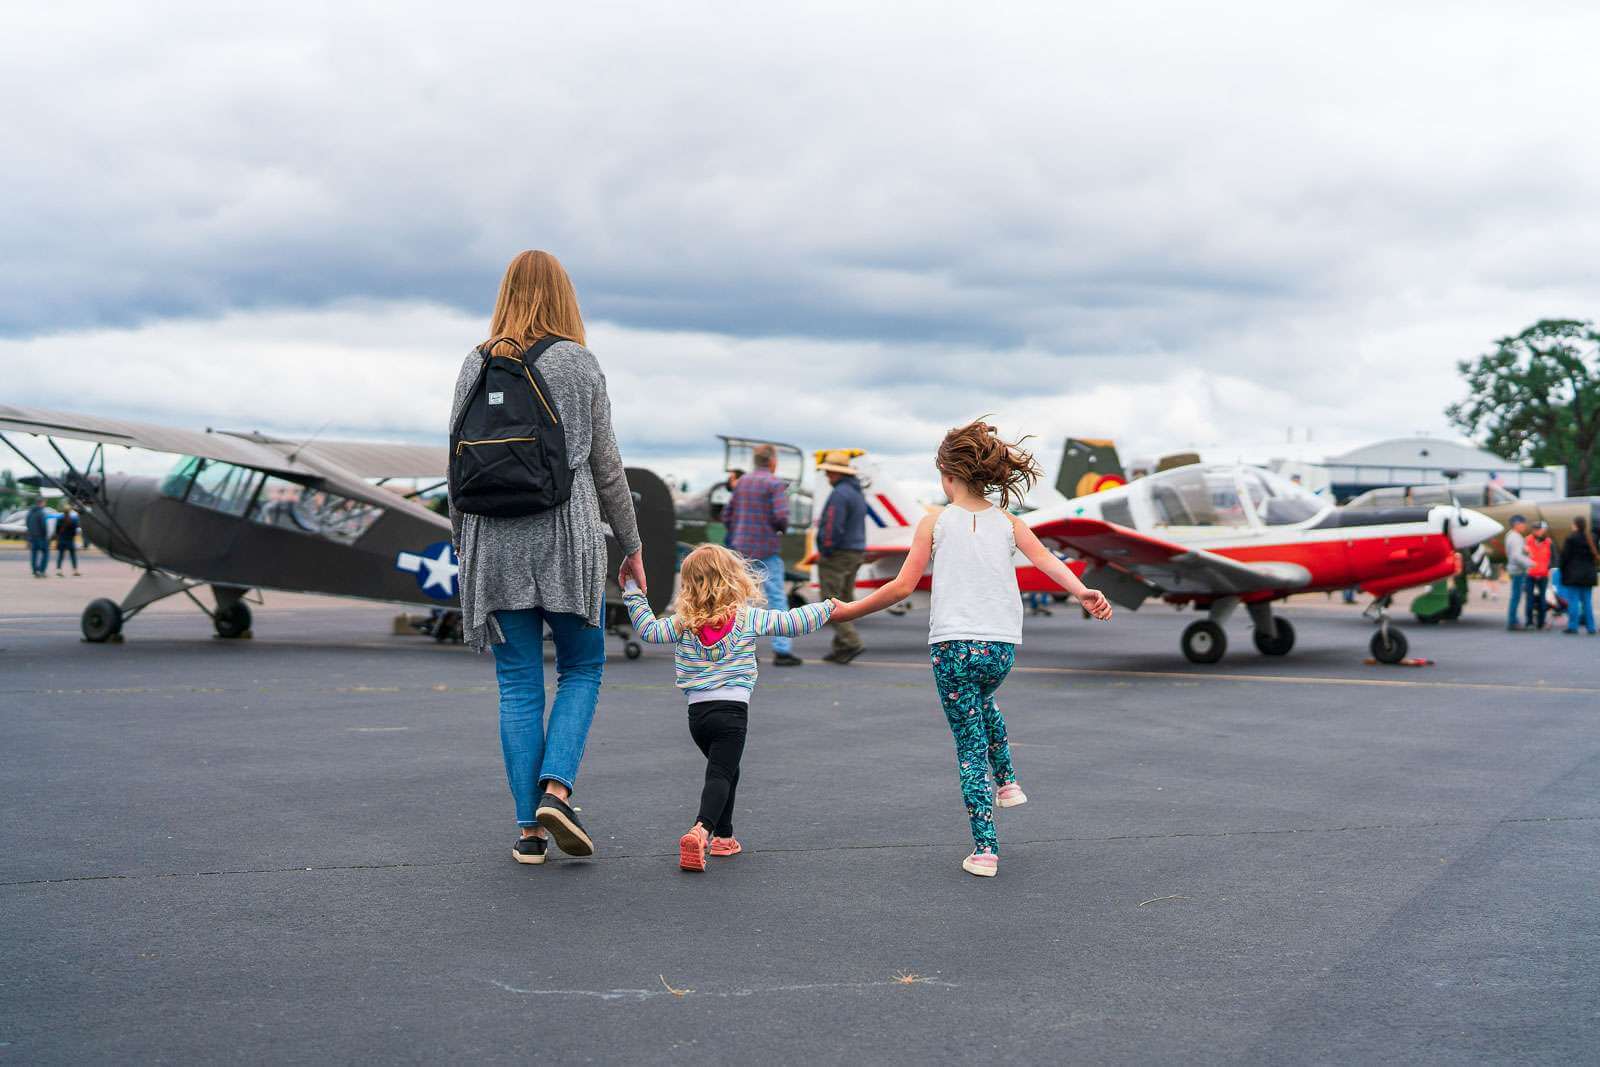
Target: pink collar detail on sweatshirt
{"x": 710, "y": 635}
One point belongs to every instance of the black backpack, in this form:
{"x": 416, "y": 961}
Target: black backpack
{"x": 508, "y": 450}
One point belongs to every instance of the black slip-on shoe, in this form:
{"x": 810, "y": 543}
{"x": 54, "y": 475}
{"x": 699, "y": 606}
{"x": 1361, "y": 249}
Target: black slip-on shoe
{"x": 529, "y": 849}
{"x": 556, "y": 816}
{"x": 787, "y": 660}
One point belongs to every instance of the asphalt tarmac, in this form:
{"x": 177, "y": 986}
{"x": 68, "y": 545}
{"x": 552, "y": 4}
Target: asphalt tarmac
{"x": 296, "y": 849}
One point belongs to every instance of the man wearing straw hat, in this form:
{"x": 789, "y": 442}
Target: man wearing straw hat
{"x": 841, "y": 541}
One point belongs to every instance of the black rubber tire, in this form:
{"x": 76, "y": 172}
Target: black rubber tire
{"x": 233, "y": 620}
{"x": 102, "y": 620}
{"x": 1204, "y": 642}
{"x": 632, "y": 650}
{"x": 1279, "y": 645}
{"x": 1391, "y": 651}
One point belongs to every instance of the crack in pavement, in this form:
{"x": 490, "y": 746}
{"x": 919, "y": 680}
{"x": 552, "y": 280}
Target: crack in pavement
{"x": 1453, "y": 824}
{"x": 647, "y": 994}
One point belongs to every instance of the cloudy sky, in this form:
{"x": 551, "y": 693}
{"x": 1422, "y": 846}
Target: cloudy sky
{"x": 836, "y": 225}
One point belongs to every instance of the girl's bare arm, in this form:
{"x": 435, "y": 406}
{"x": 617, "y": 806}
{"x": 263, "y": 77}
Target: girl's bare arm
{"x": 1058, "y": 572}
{"x": 904, "y": 582}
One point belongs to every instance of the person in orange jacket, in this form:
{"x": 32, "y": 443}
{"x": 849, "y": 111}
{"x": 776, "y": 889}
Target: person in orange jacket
{"x": 1539, "y": 548}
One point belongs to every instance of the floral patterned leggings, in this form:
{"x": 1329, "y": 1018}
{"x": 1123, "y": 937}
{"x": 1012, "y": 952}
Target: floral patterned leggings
{"x": 967, "y": 674}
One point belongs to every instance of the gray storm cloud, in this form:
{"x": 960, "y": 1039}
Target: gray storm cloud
{"x": 1177, "y": 226}
{"x": 1080, "y": 181}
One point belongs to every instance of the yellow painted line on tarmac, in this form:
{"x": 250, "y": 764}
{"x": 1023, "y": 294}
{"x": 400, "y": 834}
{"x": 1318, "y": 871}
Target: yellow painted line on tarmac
{"x": 1196, "y": 676}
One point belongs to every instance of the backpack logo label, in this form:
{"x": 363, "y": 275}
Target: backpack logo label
{"x": 497, "y": 398}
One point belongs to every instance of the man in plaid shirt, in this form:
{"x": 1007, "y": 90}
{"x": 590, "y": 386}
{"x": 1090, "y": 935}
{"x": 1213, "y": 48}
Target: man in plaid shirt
{"x": 756, "y": 517}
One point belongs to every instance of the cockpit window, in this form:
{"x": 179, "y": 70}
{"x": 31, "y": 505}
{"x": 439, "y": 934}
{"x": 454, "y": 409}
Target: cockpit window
{"x": 1195, "y": 496}
{"x": 1287, "y": 503}
{"x": 293, "y": 506}
{"x": 223, "y": 487}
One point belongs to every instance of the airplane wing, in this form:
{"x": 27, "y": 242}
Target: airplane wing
{"x": 1129, "y": 566}
{"x": 225, "y": 448}
{"x": 365, "y": 459}
{"x": 325, "y": 463}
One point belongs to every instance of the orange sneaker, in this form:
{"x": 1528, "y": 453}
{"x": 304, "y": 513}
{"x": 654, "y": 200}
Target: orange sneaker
{"x": 692, "y": 849}
{"x": 726, "y": 846}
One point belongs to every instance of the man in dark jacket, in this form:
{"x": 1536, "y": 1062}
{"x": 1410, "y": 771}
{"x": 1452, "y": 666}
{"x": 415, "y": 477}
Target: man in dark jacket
{"x": 841, "y": 541}
{"x": 38, "y": 539}
{"x": 1579, "y": 555}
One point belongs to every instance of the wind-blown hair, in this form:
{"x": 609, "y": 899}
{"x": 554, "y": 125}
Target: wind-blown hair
{"x": 714, "y": 583}
{"x": 536, "y": 300}
{"x": 976, "y": 455}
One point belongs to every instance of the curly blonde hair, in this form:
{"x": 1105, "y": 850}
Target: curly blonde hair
{"x": 977, "y": 455}
{"x": 714, "y": 582}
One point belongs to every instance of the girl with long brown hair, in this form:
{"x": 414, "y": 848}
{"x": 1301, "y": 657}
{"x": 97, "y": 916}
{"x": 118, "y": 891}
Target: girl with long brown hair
{"x": 520, "y": 575}
{"x": 975, "y": 622}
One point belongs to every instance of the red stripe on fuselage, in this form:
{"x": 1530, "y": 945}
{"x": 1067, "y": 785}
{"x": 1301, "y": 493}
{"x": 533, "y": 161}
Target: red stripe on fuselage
{"x": 888, "y": 505}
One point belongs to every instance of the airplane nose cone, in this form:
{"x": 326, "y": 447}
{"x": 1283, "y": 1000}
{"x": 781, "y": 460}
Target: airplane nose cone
{"x": 1471, "y": 528}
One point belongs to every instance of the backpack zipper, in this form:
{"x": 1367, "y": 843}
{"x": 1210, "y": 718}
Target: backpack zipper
{"x": 538, "y": 393}
{"x": 491, "y": 441}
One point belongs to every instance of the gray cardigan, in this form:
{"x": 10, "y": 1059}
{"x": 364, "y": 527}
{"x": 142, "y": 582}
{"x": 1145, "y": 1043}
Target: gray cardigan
{"x": 555, "y": 560}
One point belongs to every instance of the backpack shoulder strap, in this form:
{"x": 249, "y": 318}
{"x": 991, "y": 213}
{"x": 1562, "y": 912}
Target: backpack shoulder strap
{"x": 531, "y": 354}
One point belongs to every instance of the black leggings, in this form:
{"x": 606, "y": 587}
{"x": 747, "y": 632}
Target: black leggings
{"x": 718, "y": 729}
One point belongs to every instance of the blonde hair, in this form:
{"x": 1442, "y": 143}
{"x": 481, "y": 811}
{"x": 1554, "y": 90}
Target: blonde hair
{"x": 714, "y": 583}
{"x": 536, "y": 300}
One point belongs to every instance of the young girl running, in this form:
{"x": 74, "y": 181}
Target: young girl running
{"x": 715, "y": 629}
{"x": 975, "y": 623}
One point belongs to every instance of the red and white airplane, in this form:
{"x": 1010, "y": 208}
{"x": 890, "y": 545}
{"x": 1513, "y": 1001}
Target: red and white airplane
{"x": 1217, "y": 537}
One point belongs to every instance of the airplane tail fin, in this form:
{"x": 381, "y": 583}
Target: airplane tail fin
{"x": 889, "y": 505}
{"x": 1088, "y": 466}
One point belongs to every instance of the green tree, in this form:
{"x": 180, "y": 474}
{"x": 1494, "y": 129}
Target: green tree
{"x": 1536, "y": 398}
{"x": 10, "y": 495}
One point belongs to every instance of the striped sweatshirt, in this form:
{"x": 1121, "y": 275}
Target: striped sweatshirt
{"x": 725, "y": 669}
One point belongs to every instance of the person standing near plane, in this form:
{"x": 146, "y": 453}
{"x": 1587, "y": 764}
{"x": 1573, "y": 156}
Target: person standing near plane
{"x": 841, "y": 546}
{"x": 38, "y": 527}
{"x": 520, "y": 575}
{"x": 1540, "y": 548}
{"x": 1516, "y": 568}
{"x": 757, "y": 514}
{"x": 1579, "y": 554}
{"x": 67, "y": 540}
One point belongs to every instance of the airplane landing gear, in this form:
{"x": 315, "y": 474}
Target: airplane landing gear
{"x": 232, "y": 620}
{"x": 1273, "y": 636}
{"x": 1279, "y": 644}
{"x": 1388, "y": 645}
{"x": 1204, "y": 642}
{"x": 102, "y": 620}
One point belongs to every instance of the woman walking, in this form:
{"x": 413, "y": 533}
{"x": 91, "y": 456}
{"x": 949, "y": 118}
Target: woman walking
{"x": 521, "y": 574}
{"x": 1579, "y": 554}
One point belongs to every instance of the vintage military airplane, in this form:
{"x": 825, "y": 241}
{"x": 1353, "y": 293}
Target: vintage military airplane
{"x": 244, "y": 511}
{"x": 1222, "y": 536}
{"x": 1493, "y": 500}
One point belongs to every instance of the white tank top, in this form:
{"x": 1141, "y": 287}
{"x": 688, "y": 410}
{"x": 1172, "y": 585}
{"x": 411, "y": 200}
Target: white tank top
{"x": 975, "y": 595}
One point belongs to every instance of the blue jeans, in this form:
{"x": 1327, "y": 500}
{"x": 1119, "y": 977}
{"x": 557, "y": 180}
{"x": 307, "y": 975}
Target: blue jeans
{"x": 1518, "y": 583}
{"x": 39, "y": 554}
{"x": 534, "y": 753}
{"x": 777, "y": 598}
{"x": 1580, "y": 608}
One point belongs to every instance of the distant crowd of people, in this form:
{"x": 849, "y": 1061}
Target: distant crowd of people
{"x": 1539, "y": 574}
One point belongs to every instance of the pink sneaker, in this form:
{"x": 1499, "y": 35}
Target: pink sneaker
{"x": 982, "y": 864}
{"x": 1010, "y": 795}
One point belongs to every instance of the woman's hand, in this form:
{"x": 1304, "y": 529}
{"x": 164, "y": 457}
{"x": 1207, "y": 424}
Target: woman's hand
{"x": 1095, "y": 603}
{"x": 842, "y": 612}
{"x": 633, "y": 570}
